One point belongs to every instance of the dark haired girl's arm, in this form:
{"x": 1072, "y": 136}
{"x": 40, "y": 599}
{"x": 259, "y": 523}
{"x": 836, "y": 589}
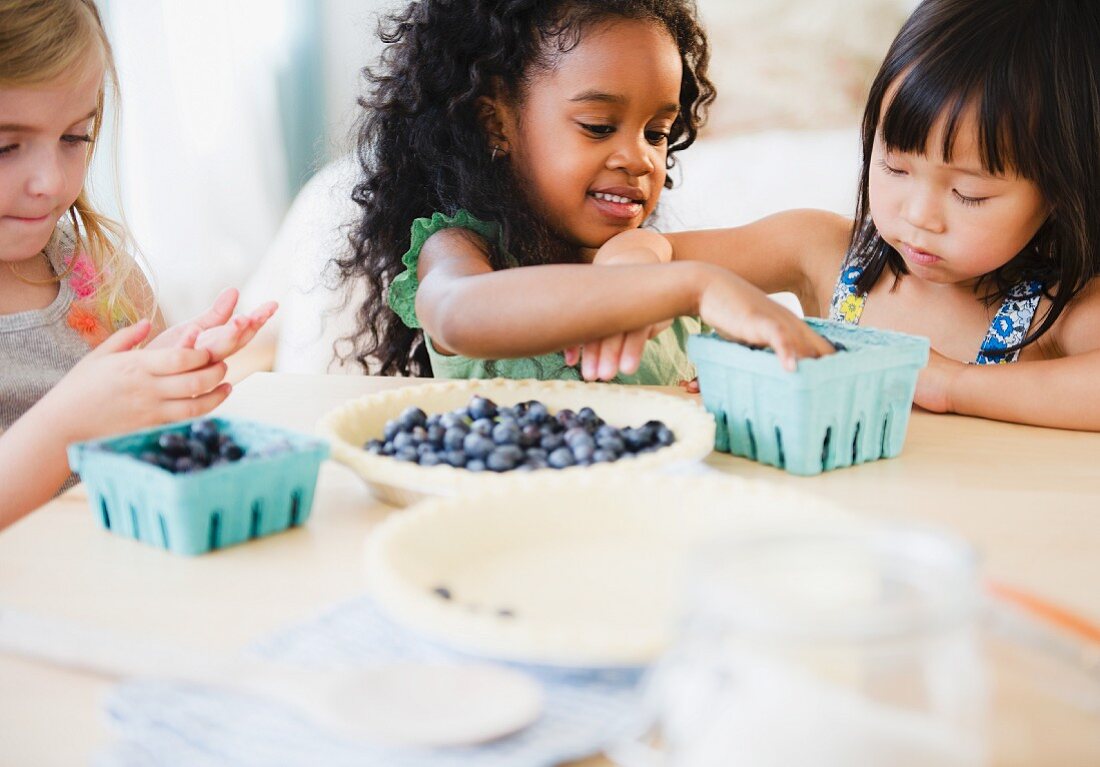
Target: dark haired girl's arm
{"x": 469, "y": 309}
{"x": 1058, "y": 392}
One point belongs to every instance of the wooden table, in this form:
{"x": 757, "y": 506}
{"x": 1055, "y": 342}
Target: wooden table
{"x": 1028, "y": 498}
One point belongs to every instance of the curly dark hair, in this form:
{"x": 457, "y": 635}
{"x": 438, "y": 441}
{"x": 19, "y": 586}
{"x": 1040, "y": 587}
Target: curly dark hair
{"x": 1038, "y": 112}
{"x": 422, "y": 148}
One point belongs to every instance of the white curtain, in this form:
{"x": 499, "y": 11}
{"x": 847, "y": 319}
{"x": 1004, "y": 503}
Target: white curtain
{"x": 201, "y": 156}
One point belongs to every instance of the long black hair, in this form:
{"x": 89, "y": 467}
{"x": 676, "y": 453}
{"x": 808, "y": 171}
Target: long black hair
{"x": 422, "y": 148}
{"x": 1031, "y": 69}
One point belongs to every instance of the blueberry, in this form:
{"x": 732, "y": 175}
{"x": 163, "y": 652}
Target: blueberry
{"x": 451, "y": 420}
{"x": 475, "y": 465}
{"x": 424, "y": 448}
{"x": 477, "y": 446}
{"x": 504, "y": 458}
{"x": 611, "y": 444}
{"x": 183, "y": 465}
{"x": 407, "y": 454}
{"x": 665, "y": 436}
{"x": 579, "y": 437}
{"x": 561, "y": 458}
{"x": 537, "y": 412}
{"x": 566, "y": 417}
{"x": 480, "y": 407}
{"x": 419, "y": 434}
{"x": 374, "y": 446}
{"x": 537, "y": 453}
{"x": 482, "y": 426}
{"x": 456, "y": 458}
{"x": 551, "y": 442}
{"x": 430, "y": 459}
{"x": 199, "y": 454}
{"x": 536, "y": 463}
{"x": 390, "y": 430}
{"x": 231, "y": 451}
{"x": 452, "y": 438}
{"x": 530, "y": 435}
{"x": 603, "y": 456}
{"x": 412, "y": 416}
{"x": 507, "y": 413}
{"x": 174, "y": 444}
{"x": 402, "y": 440}
{"x": 435, "y": 435}
{"x": 583, "y": 452}
{"x": 587, "y": 416}
{"x": 206, "y": 431}
{"x": 506, "y": 433}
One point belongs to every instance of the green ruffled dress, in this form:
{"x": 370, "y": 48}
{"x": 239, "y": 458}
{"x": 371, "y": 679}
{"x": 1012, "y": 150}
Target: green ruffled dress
{"x": 664, "y": 361}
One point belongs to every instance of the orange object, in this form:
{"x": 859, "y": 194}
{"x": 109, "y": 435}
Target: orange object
{"x": 1051, "y": 613}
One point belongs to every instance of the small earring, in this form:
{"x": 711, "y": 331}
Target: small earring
{"x": 496, "y": 151}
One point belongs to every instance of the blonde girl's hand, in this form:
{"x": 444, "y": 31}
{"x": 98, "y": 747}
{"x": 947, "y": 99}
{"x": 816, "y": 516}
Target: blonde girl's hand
{"x": 741, "y": 312}
{"x": 935, "y": 382}
{"x": 118, "y": 388}
{"x": 218, "y": 330}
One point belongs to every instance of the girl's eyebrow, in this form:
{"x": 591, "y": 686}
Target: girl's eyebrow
{"x": 613, "y": 98}
{"x": 17, "y": 128}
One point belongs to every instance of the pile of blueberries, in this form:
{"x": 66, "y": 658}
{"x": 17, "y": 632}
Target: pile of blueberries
{"x": 202, "y": 446}
{"x": 484, "y": 436}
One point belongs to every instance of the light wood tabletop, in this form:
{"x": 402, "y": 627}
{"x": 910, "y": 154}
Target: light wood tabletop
{"x": 1028, "y": 499}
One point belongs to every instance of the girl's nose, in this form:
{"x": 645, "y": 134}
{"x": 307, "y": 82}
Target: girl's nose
{"x": 634, "y": 156}
{"x": 47, "y": 177}
{"x": 922, "y": 210}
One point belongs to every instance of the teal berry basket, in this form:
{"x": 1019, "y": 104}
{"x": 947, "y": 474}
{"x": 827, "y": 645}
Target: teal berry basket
{"x": 269, "y": 490}
{"x": 836, "y": 411}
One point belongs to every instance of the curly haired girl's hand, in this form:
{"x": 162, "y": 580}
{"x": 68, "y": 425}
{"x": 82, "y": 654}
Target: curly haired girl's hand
{"x": 118, "y": 388}
{"x": 741, "y": 312}
{"x": 605, "y": 358}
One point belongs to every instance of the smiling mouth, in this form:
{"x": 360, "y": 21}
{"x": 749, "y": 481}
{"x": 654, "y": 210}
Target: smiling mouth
{"x": 616, "y": 198}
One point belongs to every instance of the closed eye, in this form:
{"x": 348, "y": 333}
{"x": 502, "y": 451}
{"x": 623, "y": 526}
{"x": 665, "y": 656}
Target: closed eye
{"x": 9, "y": 148}
{"x": 890, "y": 169}
{"x": 968, "y": 200}
{"x": 74, "y": 138}
{"x": 598, "y": 130}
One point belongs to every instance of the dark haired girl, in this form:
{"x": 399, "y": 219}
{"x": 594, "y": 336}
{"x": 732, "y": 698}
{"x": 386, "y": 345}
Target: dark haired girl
{"x": 978, "y": 218}
{"x": 515, "y": 137}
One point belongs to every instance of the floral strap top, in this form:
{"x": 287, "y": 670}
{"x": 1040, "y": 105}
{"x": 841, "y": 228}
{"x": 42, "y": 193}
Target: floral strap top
{"x": 1008, "y": 328}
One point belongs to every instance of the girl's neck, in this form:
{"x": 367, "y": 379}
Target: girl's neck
{"x": 27, "y": 285}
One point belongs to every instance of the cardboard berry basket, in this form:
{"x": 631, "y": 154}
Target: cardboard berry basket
{"x": 268, "y": 490}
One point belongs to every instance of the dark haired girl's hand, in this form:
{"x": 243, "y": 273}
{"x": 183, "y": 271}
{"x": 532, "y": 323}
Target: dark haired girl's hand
{"x": 935, "y": 382}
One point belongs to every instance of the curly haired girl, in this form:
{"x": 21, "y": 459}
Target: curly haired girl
{"x": 516, "y": 137}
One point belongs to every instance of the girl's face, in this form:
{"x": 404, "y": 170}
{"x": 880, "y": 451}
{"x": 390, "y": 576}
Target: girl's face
{"x": 44, "y": 149}
{"x": 590, "y": 139}
{"x": 952, "y": 222}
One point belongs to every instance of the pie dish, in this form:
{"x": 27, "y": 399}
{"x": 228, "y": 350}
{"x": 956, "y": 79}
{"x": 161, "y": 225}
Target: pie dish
{"x": 581, "y": 574}
{"x": 401, "y": 483}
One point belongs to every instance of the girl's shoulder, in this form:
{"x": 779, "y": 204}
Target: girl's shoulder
{"x": 460, "y": 227}
{"x": 1077, "y": 331}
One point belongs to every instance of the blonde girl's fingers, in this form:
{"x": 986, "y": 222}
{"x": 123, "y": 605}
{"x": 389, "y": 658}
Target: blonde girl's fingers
{"x": 221, "y": 310}
{"x": 572, "y": 355}
{"x": 125, "y": 339}
{"x": 192, "y": 384}
{"x": 193, "y": 407}
{"x": 264, "y": 312}
{"x": 166, "y": 362}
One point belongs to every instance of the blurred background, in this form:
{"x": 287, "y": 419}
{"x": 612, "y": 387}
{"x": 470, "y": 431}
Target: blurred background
{"x": 230, "y": 157}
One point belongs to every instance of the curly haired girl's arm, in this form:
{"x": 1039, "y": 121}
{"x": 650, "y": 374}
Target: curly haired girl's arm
{"x": 467, "y": 308}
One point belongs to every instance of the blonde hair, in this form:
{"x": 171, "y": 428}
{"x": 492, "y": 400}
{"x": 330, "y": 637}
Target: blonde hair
{"x": 45, "y": 40}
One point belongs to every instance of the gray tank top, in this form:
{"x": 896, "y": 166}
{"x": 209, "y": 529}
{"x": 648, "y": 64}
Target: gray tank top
{"x": 38, "y": 347}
